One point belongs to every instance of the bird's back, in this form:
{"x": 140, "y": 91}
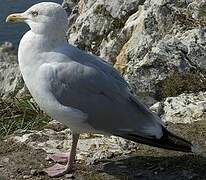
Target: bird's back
{"x": 100, "y": 91}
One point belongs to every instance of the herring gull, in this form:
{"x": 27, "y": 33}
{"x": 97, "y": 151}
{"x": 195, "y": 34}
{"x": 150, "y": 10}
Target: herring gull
{"x": 82, "y": 90}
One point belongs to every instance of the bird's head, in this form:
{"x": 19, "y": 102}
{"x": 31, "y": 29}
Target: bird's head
{"x": 42, "y": 17}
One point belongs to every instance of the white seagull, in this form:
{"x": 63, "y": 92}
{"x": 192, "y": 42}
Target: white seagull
{"x": 81, "y": 90}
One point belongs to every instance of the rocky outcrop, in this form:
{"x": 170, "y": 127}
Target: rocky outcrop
{"x": 186, "y": 108}
{"x": 11, "y": 82}
{"x": 95, "y": 25}
{"x": 159, "y": 46}
{"x": 150, "y": 42}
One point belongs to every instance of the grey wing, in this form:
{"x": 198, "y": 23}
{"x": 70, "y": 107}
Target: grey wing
{"x": 94, "y": 61}
{"x": 106, "y": 100}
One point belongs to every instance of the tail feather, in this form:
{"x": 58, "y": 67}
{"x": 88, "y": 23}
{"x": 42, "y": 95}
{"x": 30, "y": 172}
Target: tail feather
{"x": 167, "y": 141}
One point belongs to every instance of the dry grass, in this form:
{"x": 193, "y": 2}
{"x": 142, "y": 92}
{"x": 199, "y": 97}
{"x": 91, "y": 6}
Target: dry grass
{"x": 20, "y": 113}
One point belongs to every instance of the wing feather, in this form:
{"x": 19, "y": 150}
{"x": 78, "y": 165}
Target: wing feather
{"x": 86, "y": 83}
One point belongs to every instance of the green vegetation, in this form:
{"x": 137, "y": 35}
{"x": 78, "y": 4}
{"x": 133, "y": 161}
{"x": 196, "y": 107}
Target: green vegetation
{"x": 101, "y": 9}
{"x": 180, "y": 83}
{"x": 20, "y": 113}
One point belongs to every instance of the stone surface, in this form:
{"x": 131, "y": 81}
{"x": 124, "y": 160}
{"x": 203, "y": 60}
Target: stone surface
{"x": 185, "y": 108}
{"x": 11, "y": 82}
{"x": 90, "y": 147}
{"x": 147, "y": 40}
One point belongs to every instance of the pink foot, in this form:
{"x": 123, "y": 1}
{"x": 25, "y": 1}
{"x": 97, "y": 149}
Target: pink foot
{"x": 57, "y": 170}
{"x": 59, "y": 158}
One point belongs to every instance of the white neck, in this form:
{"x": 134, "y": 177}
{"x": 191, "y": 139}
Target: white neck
{"x": 33, "y": 44}
{"x": 32, "y": 48}
{"x": 42, "y": 42}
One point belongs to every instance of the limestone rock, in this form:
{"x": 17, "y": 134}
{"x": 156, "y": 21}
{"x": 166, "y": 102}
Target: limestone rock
{"x": 97, "y": 25}
{"x": 91, "y": 147}
{"x": 11, "y": 82}
{"x": 148, "y": 41}
{"x": 185, "y": 108}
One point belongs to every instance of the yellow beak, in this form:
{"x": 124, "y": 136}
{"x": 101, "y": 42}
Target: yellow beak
{"x": 15, "y": 18}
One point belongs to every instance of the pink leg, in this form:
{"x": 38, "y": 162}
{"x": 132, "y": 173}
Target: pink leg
{"x": 58, "y": 169}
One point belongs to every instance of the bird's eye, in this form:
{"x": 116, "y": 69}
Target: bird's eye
{"x": 34, "y": 13}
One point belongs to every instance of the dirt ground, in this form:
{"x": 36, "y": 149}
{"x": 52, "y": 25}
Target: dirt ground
{"x": 18, "y": 161}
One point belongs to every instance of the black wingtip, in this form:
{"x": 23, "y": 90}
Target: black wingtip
{"x": 175, "y": 142}
{"x": 167, "y": 141}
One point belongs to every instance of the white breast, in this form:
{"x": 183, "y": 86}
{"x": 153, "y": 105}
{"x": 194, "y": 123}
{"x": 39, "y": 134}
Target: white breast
{"x": 35, "y": 71}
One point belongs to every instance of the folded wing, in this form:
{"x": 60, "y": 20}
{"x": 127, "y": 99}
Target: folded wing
{"x": 99, "y": 91}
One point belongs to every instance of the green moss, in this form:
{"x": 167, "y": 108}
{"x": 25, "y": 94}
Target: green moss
{"x": 180, "y": 83}
{"x": 117, "y": 23}
{"x": 185, "y": 20}
{"x": 101, "y": 9}
{"x": 202, "y": 12}
{"x": 20, "y": 113}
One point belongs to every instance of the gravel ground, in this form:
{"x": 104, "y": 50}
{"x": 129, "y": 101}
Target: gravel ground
{"x": 19, "y": 161}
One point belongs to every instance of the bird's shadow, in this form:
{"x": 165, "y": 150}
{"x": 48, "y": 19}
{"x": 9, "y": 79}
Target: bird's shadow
{"x": 157, "y": 168}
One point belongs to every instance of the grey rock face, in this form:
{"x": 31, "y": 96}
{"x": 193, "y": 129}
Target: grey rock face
{"x": 148, "y": 41}
{"x": 95, "y": 25}
{"x": 186, "y": 108}
{"x": 11, "y": 82}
